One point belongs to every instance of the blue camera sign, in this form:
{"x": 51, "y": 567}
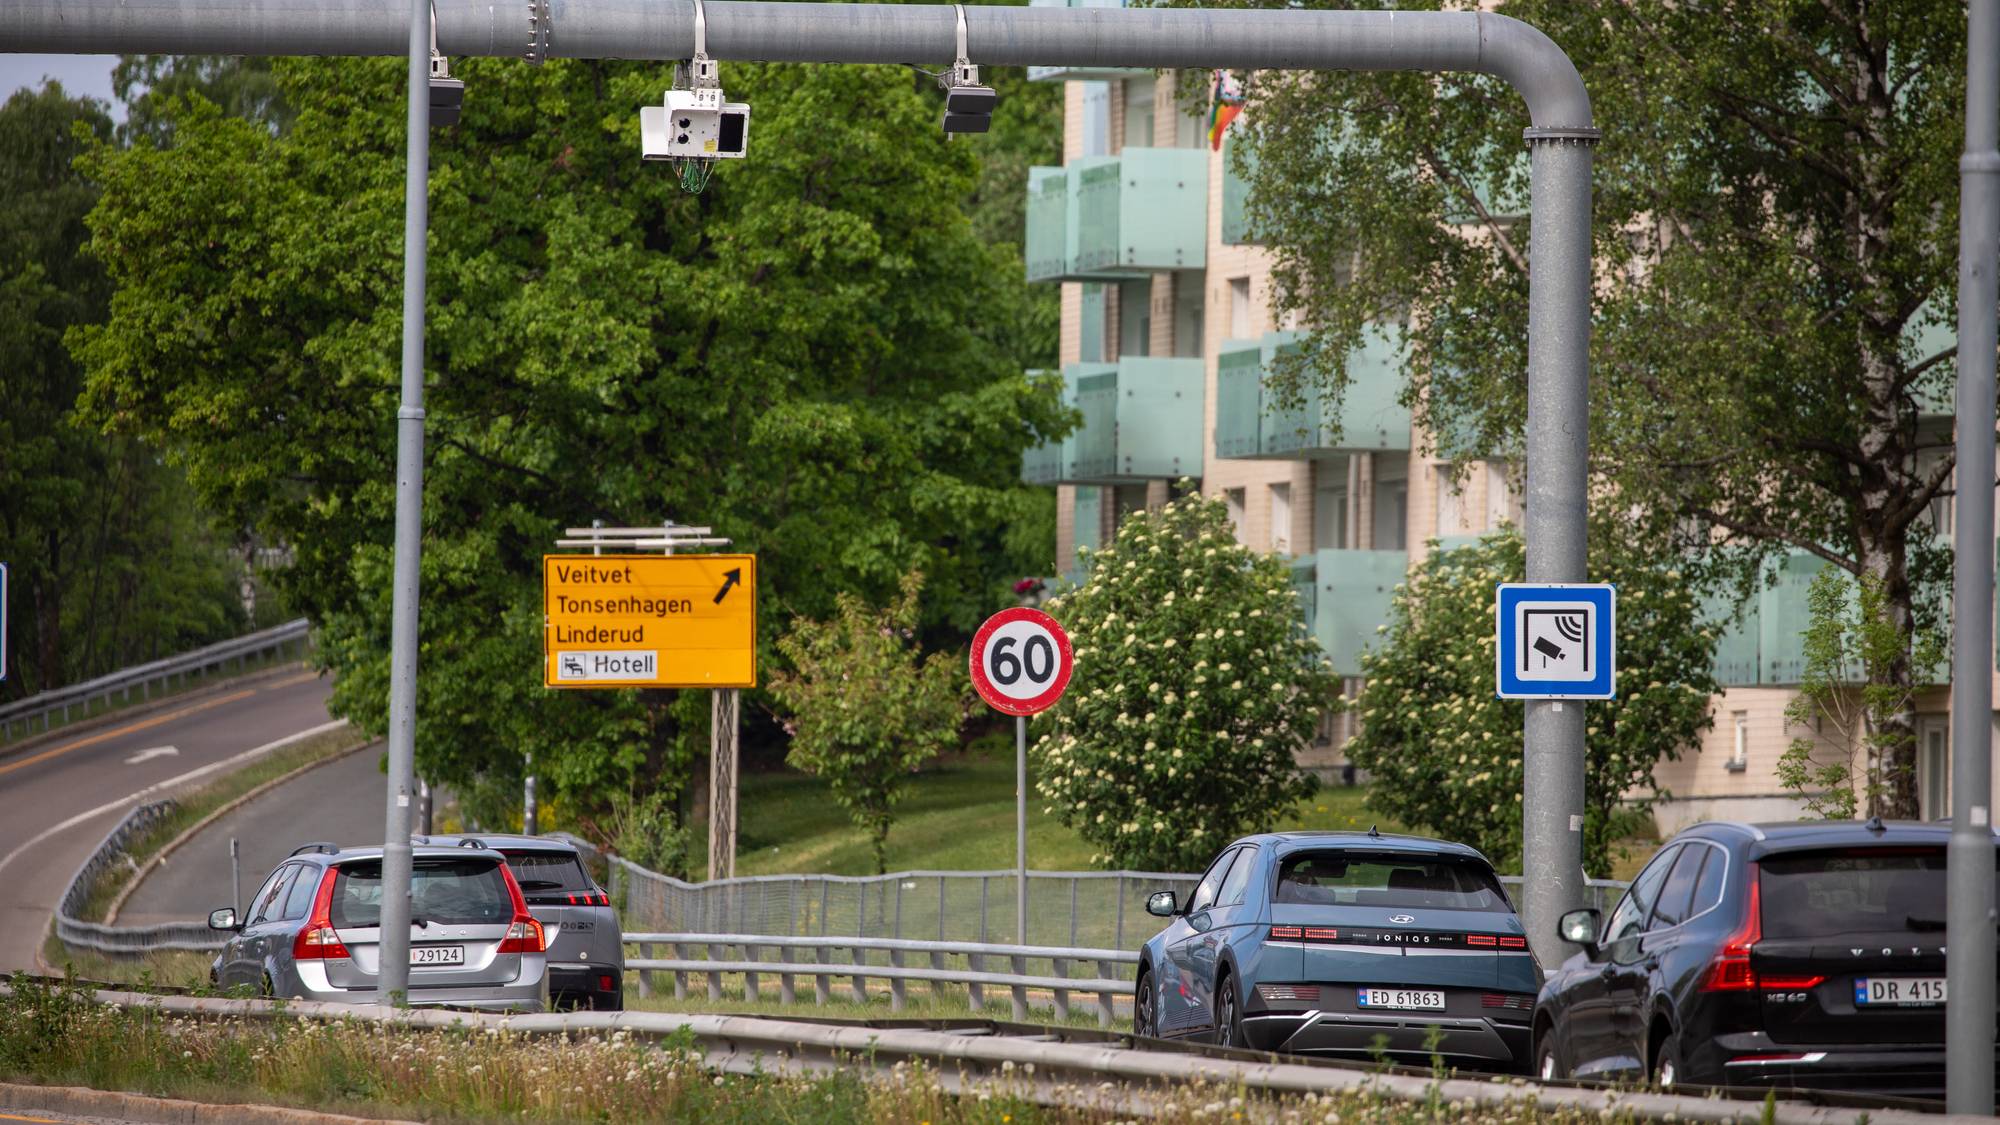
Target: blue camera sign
{"x": 1556, "y": 640}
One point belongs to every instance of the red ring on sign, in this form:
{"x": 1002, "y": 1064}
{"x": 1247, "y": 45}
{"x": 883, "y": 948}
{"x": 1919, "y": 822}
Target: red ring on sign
{"x": 999, "y": 701}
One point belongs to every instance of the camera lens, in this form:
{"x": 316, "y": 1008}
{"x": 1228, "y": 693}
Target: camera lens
{"x": 685, "y": 122}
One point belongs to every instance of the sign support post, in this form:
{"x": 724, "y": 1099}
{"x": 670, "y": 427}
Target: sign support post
{"x": 722, "y": 731}
{"x": 1020, "y": 830}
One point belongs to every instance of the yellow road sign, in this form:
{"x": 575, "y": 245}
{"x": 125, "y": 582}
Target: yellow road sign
{"x": 649, "y": 621}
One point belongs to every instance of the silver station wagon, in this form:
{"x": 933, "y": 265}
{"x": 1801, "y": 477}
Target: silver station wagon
{"x": 313, "y": 930}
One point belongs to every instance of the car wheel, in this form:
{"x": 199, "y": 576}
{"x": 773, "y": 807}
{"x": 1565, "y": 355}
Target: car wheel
{"x": 1667, "y": 1063}
{"x": 1228, "y": 1014}
{"x": 1145, "y": 1009}
{"x": 1548, "y": 1063}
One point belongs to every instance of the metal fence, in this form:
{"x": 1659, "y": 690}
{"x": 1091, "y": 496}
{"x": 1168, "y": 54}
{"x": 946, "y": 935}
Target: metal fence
{"x": 942, "y": 966}
{"x": 1065, "y": 908}
{"x": 77, "y": 933}
{"x": 53, "y": 706}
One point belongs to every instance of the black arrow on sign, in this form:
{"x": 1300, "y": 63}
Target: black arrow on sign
{"x": 729, "y": 578}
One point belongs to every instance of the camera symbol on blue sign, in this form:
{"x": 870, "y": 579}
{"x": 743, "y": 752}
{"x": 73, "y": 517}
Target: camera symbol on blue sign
{"x": 1555, "y": 640}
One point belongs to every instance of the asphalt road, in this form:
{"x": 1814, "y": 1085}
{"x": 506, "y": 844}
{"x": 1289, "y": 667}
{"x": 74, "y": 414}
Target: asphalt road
{"x": 341, "y": 801}
{"x": 58, "y": 799}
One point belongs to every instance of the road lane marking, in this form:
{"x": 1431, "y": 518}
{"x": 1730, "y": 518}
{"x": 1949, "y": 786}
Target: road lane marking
{"x": 126, "y": 729}
{"x": 37, "y": 1120}
{"x": 155, "y": 752}
{"x": 149, "y": 790}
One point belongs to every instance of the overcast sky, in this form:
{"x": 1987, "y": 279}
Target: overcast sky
{"x": 79, "y": 74}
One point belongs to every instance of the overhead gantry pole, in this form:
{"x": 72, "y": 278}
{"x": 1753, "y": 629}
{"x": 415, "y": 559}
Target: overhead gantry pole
{"x": 1560, "y": 145}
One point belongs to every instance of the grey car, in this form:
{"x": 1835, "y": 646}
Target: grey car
{"x": 312, "y": 931}
{"x": 586, "y": 945}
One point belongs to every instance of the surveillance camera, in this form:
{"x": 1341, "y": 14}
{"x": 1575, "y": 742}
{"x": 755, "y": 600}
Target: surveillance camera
{"x": 694, "y": 124}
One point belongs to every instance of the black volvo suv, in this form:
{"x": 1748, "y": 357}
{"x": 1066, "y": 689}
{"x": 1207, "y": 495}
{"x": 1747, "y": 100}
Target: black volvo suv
{"x": 1792, "y": 955}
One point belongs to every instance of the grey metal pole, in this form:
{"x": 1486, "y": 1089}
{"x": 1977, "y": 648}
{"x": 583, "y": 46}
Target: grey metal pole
{"x": 235, "y": 878}
{"x": 1969, "y": 905}
{"x": 393, "y": 978}
{"x": 1020, "y": 830}
{"x": 1557, "y": 493}
{"x": 530, "y": 818}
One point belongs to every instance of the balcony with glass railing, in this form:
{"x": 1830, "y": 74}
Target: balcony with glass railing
{"x": 1130, "y": 215}
{"x": 1141, "y": 420}
{"x": 1346, "y": 596}
{"x": 1253, "y": 421}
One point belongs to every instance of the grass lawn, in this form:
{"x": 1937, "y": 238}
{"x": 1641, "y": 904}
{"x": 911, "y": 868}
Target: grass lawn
{"x": 958, "y": 816}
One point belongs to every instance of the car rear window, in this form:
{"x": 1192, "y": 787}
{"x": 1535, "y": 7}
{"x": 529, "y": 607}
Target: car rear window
{"x": 548, "y": 871}
{"x": 1347, "y": 879}
{"x": 1880, "y": 890}
{"x": 449, "y": 891}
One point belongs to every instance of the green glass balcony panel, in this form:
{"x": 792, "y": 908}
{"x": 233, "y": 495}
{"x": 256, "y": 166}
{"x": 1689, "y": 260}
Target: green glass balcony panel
{"x": 1369, "y": 418}
{"x": 1042, "y": 463}
{"x": 1354, "y": 591}
{"x": 1081, "y": 73}
{"x": 1090, "y": 453}
{"x": 1235, "y": 198}
{"x": 1925, "y": 336}
{"x": 1783, "y": 616}
{"x": 1239, "y": 398}
{"x": 1047, "y": 250}
{"x": 1089, "y": 516}
{"x": 1305, "y": 583}
{"x": 1736, "y": 642}
{"x": 1160, "y": 417}
{"x": 1144, "y": 210}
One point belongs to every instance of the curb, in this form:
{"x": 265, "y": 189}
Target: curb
{"x": 188, "y": 833}
{"x": 147, "y": 707}
{"x": 80, "y": 1101}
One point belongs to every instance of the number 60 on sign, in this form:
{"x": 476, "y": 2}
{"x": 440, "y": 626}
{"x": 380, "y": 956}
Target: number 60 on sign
{"x": 1021, "y": 661}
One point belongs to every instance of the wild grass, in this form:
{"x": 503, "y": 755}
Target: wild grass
{"x": 58, "y": 1035}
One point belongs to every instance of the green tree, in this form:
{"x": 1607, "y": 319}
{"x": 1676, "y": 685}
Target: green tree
{"x": 1445, "y": 754}
{"x": 1195, "y": 686}
{"x": 110, "y": 561}
{"x": 866, "y": 711}
{"x": 1775, "y": 195}
{"x": 801, "y": 356}
{"x": 1849, "y": 633}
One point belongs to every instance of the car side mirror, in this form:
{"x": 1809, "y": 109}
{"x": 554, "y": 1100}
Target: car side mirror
{"x": 223, "y": 919}
{"x": 1163, "y": 904}
{"x": 1579, "y": 927}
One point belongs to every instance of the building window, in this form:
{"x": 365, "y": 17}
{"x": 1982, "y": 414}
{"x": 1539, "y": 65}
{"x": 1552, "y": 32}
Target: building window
{"x": 1391, "y": 500}
{"x": 1740, "y": 759}
{"x": 1239, "y": 308}
{"x": 1139, "y": 111}
{"x": 1330, "y": 505}
{"x": 1281, "y": 518}
{"x": 1233, "y": 501}
{"x": 1503, "y": 499}
{"x": 1450, "y": 504}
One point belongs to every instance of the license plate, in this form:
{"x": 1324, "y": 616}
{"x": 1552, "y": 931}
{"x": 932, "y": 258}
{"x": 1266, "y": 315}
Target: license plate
{"x": 437, "y": 955}
{"x": 1872, "y": 992}
{"x": 1406, "y": 998}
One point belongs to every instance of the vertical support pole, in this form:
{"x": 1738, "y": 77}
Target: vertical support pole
{"x": 1969, "y": 905}
{"x": 722, "y": 729}
{"x": 1020, "y": 830}
{"x": 530, "y": 808}
{"x": 1557, "y": 497}
{"x": 235, "y": 878}
{"x": 394, "y": 967}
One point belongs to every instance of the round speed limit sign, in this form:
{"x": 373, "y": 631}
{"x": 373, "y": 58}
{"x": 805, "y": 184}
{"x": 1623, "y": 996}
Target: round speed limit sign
{"x": 1021, "y": 661}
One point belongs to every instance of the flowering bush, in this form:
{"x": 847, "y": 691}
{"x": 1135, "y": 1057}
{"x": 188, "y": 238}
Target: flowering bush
{"x": 1195, "y": 685}
{"x": 1446, "y": 755}
{"x": 866, "y": 713}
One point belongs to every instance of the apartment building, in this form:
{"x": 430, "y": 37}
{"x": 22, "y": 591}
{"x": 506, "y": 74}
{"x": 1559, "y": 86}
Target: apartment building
{"x": 1167, "y": 329}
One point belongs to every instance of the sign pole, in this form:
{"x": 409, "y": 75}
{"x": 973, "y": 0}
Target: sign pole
{"x": 722, "y": 728}
{"x": 1020, "y": 830}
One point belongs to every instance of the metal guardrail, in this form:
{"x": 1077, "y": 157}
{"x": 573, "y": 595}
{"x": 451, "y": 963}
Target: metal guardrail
{"x": 790, "y": 964}
{"x": 1109, "y": 1074}
{"x": 144, "y": 677}
{"x": 76, "y": 933}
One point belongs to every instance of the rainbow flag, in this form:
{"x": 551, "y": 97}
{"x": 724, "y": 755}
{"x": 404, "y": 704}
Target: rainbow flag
{"x": 1223, "y": 106}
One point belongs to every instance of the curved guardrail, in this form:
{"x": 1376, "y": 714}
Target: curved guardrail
{"x": 143, "y": 677}
{"x": 76, "y": 933}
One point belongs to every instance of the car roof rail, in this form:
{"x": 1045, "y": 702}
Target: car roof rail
{"x": 317, "y": 847}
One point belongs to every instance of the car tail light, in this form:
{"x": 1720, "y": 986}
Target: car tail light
{"x": 1486, "y": 941}
{"x": 589, "y": 898}
{"x": 1283, "y": 933}
{"x": 317, "y": 940}
{"x": 524, "y": 934}
{"x": 1731, "y": 971}
{"x": 1502, "y": 1000}
{"x": 604, "y": 982}
{"x": 1786, "y": 984}
{"x": 1269, "y": 992}
{"x": 1513, "y": 942}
